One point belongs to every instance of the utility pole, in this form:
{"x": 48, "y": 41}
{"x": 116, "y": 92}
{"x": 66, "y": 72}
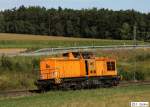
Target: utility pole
{"x": 49, "y": 26}
{"x": 134, "y": 43}
{"x": 134, "y": 33}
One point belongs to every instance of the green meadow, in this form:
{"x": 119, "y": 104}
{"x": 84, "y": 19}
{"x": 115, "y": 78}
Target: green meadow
{"x": 38, "y": 41}
{"x": 20, "y": 72}
{"x": 103, "y": 97}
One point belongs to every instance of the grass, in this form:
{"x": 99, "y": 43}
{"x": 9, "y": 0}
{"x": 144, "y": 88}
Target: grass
{"x": 36, "y": 41}
{"x": 109, "y": 97}
{"x": 22, "y": 67}
{"x": 127, "y": 59}
{"x": 18, "y": 72}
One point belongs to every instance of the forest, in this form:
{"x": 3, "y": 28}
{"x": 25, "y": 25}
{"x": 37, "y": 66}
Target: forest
{"x": 85, "y": 23}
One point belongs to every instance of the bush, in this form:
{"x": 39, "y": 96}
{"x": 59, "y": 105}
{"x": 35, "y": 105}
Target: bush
{"x": 6, "y": 63}
{"x": 16, "y": 72}
{"x": 18, "y": 66}
{"x": 35, "y": 63}
{"x": 139, "y": 75}
{"x": 143, "y": 57}
{"x": 126, "y": 75}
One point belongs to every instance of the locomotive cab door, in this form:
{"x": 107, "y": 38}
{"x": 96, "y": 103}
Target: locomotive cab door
{"x": 90, "y": 67}
{"x": 86, "y": 67}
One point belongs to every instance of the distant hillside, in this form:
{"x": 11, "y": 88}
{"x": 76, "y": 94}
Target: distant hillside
{"x": 85, "y": 23}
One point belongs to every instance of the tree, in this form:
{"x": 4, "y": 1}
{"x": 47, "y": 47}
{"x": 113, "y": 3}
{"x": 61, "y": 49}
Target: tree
{"x": 125, "y": 31}
{"x": 1, "y": 22}
{"x": 59, "y": 29}
{"x": 89, "y": 23}
{"x": 69, "y": 28}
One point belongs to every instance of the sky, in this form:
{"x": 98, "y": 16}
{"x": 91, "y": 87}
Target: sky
{"x": 138, "y": 5}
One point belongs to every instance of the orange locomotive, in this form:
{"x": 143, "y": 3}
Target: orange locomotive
{"x": 77, "y": 70}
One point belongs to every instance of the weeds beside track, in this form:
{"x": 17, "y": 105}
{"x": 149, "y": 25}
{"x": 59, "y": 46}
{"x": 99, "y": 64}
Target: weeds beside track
{"x": 15, "y": 93}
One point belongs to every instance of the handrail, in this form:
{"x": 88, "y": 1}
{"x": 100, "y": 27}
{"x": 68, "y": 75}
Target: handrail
{"x": 50, "y": 75}
{"x": 48, "y": 51}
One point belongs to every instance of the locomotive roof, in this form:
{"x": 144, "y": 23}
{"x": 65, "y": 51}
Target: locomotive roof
{"x": 78, "y": 55}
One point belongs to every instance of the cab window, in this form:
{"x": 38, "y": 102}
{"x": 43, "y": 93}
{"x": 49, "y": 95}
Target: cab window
{"x": 110, "y": 66}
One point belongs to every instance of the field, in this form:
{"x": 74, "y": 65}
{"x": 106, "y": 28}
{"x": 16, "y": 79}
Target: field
{"x": 130, "y": 61}
{"x": 21, "y": 72}
{"x": 36, "y": 41}
{"x": 104, "y": 97}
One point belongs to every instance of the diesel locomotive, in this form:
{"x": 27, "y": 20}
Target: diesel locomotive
{"x": 77, "y": 70}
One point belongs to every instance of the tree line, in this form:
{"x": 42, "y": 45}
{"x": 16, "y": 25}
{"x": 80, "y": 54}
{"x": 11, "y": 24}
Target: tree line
{"x": 86, "y": 23}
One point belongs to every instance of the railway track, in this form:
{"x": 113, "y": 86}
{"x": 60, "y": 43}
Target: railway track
{"x": 15, "y": 93}
{"x": 131, "y": 83}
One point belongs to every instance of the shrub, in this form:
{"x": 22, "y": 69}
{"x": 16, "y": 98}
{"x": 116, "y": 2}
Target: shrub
{"x": 18, "y": 66}
{"x": 131, "y": 75}
{"x": 6, "y": 63}
{"x": 143, "y": 57}
{"x": 139, "y": 75}
{"x": 35, "y": 63}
